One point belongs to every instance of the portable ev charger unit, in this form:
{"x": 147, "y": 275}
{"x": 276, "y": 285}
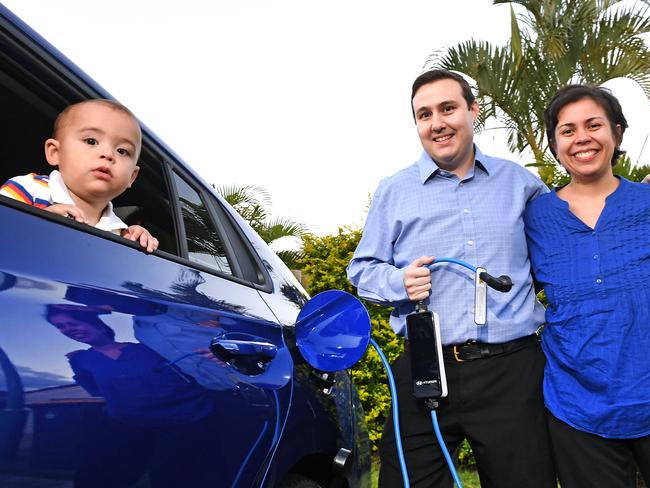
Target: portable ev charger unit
{"x": 425, "y": 347}
{"x": 425, "y": 344}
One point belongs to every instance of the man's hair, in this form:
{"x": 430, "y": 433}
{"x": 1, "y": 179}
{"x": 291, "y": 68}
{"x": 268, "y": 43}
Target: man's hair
{"x": 442, "y": 74}
{"x": 573, "y": 93}
{"x": 61, "y": 119}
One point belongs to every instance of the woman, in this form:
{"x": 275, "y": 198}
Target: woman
{"x": 589, "y": 245}
{"x": 155, "y": 413}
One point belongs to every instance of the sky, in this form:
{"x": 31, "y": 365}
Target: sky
{"x": 309, "y": 100}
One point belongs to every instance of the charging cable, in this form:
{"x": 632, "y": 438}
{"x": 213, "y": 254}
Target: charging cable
{"x": 432, "y": 404}
{"x": 503, "y": 283}
{"x": 393, "y": 396}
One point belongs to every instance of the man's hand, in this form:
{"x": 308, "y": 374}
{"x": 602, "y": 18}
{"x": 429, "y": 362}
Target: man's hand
{"x": 139, "y": 233}
{"x": 417, "y": 279}
{"x": 646, "y": 179}
{"x": 66, "y": 210}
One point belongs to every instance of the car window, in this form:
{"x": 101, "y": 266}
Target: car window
{"x": 189, "y": 222}
{"x": 147, "y": 203}
{"x": 204, "y": 245}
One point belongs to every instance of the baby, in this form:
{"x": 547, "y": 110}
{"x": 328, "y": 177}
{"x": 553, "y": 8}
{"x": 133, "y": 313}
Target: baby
{"x": 95, "y": 146}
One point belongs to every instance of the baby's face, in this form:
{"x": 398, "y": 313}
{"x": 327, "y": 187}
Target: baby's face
{"x": 96, "y": 151}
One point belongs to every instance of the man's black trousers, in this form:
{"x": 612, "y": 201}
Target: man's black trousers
{"x": 495, "y": 403}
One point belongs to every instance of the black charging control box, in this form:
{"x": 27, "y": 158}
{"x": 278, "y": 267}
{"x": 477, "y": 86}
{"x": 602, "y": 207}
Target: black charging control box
{"x": 425, "y": 348}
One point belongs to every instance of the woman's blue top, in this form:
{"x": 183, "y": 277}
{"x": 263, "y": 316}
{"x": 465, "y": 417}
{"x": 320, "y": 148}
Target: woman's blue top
{"x": 141, "y": 388}
{"x": 597, "y": 334}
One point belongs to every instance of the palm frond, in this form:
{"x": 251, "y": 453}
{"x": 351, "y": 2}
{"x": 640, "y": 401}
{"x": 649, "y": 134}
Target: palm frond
{"x": 291, "y": 258}
{"x": 251, "y": 203}
{"x": 626, "y": 168}
{"x": 243, "y": 195}
{"x": 554, "y": 42}
{"x": 281, "y": 227}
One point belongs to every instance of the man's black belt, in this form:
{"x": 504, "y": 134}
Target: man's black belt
{"x": 472, "y": 350}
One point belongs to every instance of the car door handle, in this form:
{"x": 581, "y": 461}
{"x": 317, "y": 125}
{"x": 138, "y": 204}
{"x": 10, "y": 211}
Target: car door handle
{"x": 227, "y": 349}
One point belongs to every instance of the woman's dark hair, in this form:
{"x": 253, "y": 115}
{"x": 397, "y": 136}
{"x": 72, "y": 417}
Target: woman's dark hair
{"x": 442, "y": 74}
{"x": 602, "y": 96}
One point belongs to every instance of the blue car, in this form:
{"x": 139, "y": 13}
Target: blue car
{"x": 210, "y": 390}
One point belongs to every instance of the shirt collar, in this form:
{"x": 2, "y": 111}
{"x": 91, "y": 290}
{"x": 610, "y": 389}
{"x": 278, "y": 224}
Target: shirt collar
{"x": 429, "y": 168}
{"x": 59, "y": 193}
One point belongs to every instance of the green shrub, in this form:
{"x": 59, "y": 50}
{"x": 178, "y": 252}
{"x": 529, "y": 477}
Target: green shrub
{"x": 466, "y": 456}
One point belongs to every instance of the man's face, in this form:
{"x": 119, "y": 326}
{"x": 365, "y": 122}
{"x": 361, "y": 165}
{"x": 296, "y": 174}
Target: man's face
{"x": 96, "y": 151}
{"x": 445, "y": 124}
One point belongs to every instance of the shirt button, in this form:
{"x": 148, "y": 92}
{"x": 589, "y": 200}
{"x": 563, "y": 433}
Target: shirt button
{"x": 595, "y": 256}
{"x": 460, "y": 184}
{"x": 470, "y": 243}
{"x": 599, "y": 281}
{"x": 593, "y": 232}
{"x": 466, "y": 210}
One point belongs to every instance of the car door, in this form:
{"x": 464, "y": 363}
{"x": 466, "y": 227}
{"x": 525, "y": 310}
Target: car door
{"x": 119, "y": 366}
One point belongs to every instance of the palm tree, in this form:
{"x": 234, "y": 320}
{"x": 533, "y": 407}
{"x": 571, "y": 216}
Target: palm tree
{"x": 251, "y": 202}
{"x": 553, "y": 43}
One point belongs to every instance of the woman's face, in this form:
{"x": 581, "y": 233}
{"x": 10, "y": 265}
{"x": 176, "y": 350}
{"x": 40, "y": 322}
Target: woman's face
{"x": 77, "y": 330}
{"x": 585, "y": 140}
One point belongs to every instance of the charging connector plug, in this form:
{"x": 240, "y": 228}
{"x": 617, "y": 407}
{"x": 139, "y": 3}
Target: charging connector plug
{"x": 431, "y": 403}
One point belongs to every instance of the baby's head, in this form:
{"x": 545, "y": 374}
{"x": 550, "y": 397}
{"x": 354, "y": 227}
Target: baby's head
{"x": 95, "y": 145}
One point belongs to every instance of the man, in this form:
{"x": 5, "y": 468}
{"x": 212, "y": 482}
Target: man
{"x": 457, "y": 202}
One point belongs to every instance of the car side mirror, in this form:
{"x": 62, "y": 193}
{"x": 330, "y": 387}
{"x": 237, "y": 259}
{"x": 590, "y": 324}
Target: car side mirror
{"x": 333, "y": 331}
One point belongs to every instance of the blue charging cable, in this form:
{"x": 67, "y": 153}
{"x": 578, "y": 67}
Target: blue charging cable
{"x": 398, "y": 435}
{"x": 503, "y": 284}
{"x": 393, "y": 396}
{"x": 443, "y": 447}
{"x": 453, "y": 260}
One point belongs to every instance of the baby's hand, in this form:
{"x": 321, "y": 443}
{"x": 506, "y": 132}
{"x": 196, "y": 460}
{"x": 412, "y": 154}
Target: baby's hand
{"x": 66, "y": 210}
{"x": 139, "y": 233}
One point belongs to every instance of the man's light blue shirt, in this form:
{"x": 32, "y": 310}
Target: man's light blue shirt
{"x": 424, "y": 210}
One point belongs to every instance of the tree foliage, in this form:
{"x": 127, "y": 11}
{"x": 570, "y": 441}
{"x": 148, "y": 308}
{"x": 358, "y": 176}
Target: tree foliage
{"x": 251, "y": 202}
{"x": 553, "y": 43}
{"x": 324, "y": 262}
{"x": 623, "y": 168}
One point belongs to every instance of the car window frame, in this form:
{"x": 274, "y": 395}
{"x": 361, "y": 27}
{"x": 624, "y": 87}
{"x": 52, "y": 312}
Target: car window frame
{"x": 227, "y": 229}
{"x": 233, "y": 263}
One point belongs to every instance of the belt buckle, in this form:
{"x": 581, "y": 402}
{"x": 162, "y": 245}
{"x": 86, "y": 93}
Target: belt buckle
{"x": 456, "y": 356}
